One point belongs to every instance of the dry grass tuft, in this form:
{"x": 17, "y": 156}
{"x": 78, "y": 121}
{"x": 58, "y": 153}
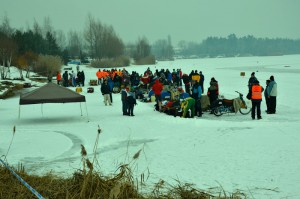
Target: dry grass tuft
{"x": 83, "y": 151}
{"x": 93, "y": 185}
{"x": 89, "y": 184}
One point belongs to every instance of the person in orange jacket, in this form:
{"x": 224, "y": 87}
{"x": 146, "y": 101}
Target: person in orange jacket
{"x": 58, "y": 77}
{"x": 99, "y": 76}
{"x": 256, "y": 98}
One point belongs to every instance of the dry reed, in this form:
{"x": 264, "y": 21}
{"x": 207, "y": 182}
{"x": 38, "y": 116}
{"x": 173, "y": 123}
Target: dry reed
{"x": 90, "y": 184}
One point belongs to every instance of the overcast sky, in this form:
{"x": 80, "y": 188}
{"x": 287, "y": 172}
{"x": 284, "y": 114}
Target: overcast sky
{"x": 190, "y": 20}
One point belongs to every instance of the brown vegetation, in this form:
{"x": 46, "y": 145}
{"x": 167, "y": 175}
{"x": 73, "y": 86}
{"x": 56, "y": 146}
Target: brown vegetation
{"x": 86, "y": 183}
{"x": 89, "y": 184}
{"x": 10, "y": 87}
{"x": 146, "y": 60}
{"x": 120, "y": 61}
{"x": 48, "y": 65}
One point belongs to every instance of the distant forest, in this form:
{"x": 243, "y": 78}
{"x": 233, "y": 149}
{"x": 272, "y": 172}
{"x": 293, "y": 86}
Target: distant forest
{"x": 99, "y": 41}
{"x": 244, "y": 46}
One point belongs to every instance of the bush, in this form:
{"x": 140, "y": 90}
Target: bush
{"x": 146, "y": 60}
{"x": 120, "y": 61}
{"x": 48, "y": 65}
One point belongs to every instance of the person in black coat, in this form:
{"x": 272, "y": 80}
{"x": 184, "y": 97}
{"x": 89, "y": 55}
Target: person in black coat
{"x": 82, "y": 78}
{"x": 266, "y": 95}
{"x": 187, "y": 83}
{"x": 124, "y": 94}
{"x": 252, "y": 79}
{"x": 131, "y": 103}
{"x": 213, "y": 90}
{"x": 201, "y": 81}
{"x": 66, "y": 79}
{"x": 105, "y": 90}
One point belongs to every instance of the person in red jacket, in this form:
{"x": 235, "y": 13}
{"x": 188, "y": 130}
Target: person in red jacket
{"x": 146, "y": 80}
{"x": 157, "y": 89}
{"x": 58, "y": 77}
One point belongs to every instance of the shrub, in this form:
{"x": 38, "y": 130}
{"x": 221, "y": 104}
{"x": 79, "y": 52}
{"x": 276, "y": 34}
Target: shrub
{"x": 120, "y": 61}
{"x": 146, "y": 60}
{"x": 48, "y": 65}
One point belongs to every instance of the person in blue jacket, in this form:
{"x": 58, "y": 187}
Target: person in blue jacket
{"x": 196, "y": 94}
{"x": 272, "y": 95}
{"x": 111, "y": 85}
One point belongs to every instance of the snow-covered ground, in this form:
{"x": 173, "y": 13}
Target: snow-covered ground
{"x": 259, "y": 157}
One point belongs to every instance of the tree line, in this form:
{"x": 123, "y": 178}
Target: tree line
{"x": 24, "y": 48}
{"x": 231, "y": 46}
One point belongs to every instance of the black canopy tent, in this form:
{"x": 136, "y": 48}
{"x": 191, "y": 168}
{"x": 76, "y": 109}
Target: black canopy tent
{"x": 51, "y": 93}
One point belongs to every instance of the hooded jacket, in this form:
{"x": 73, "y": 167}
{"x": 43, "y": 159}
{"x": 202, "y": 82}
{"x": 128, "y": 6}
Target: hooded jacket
{"x": 157, "y": 87}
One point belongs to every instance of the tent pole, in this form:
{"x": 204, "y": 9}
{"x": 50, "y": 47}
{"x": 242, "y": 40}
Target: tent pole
{"x": 80, "y": 109}
{"x": 42, "y": 109}
{"x": 87, "y": 112}
{"x": 19, "y": 111}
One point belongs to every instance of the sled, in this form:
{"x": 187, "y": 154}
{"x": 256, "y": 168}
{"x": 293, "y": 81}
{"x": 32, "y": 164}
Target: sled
{"x": 90, "y": 89}
{"x": 93, "y": 82}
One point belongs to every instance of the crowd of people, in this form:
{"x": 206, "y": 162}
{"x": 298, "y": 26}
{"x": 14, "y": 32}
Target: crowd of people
{"x": 255, "y": 94}
{"x": 189, "y": 87}
{"x": 72, "y": 79}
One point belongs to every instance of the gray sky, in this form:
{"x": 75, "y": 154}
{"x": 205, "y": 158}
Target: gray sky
{"x": 190, "y": 20}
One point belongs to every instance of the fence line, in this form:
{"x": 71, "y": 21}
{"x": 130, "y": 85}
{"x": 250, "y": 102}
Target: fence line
{"x": 22, "y": 181}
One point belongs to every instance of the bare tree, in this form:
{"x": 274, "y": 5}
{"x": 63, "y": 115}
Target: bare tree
{"x": 5, "y": 27}
{"x": 102, "y": 40}
{"x": 142, "y": 48}
{"x": 74, "y": 44}
{"x": 8, "y": 49}
{"x": 37, "y": 28}
{"x": 163, "y": 50}
{"x": 47, "y": 27}
{"x": 61, "y": 39}
{"x": 89, "y": 35}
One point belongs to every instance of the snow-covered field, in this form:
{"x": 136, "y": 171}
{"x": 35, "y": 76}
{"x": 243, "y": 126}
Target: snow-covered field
{"x": 259, "y": 157}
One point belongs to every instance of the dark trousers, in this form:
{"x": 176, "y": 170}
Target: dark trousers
{"x": 187, "y": 88}
{"x": 201, "y": 84}
{"x": 267, "y": 103}
{"x": 125, "y": 107}
{"x": 110, "y": 97}
{"x": 66, "y": 83}
{"x": 272, "y": 104}
{"x": 256, "y": 105}
{"x": 130, "y": 109}
{"x": 198, "y": 108}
